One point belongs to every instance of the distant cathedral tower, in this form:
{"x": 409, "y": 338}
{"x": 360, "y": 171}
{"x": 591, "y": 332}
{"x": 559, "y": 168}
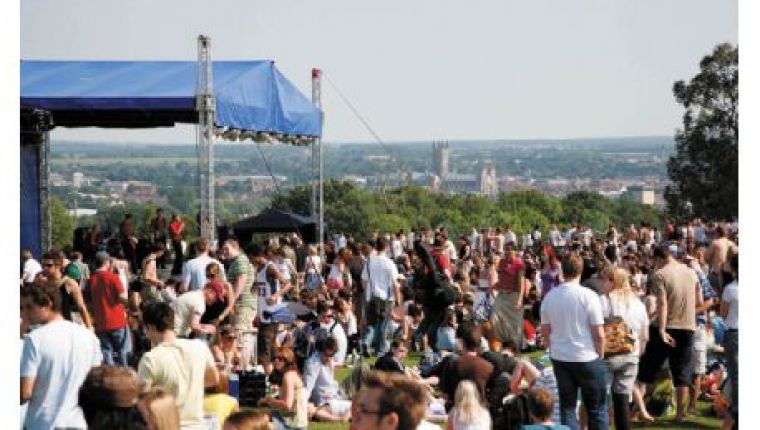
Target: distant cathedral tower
{"x": 488, "y": 185}
{"x": 441, "y": 159}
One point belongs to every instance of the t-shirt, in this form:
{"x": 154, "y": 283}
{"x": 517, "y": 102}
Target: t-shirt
{"x": 31, "y": 269}
{"x": 58, "y": 355}
{"x": 679, "y": 283}
{"x": 731, "y": 298}
{"x": 179, "y": 367}
{"x": 72, "y": 271}
{"x": 106, "y": 294}
{"x": 194, "y": 272}
{"x": 508, "y": 273}
{"x": 466, "y": 367}
{"x": 571, "y": 310}
{"x": 241, "y": 266}
{"x": 187, "y": 305}
{"x": 381, "y": 274}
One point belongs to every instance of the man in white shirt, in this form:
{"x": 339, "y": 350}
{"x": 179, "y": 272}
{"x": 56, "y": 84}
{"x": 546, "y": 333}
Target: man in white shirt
{"x": 55, "y": 360}
{"x": 183, "y": 367}
{"x": 381, "y": 289}
{"x": 190, "y": 307}
{"x": 572, "y": 326}
{"x": 194, "y": 271}
{"x": 31, "y": 267}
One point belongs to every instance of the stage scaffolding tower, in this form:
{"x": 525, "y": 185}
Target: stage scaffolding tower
{"x": 206, "y": 106}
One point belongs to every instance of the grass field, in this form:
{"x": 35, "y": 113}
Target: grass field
{"x": 703, "y": 421}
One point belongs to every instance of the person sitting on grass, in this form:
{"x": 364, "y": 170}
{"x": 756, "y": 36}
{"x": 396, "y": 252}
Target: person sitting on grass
{"x": 290, "y": 406}
{"x": 321, "y": 386}
{"x": 540, "y": 405}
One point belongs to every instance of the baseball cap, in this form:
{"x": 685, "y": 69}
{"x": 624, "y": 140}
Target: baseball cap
{"x": 217, "y": 287}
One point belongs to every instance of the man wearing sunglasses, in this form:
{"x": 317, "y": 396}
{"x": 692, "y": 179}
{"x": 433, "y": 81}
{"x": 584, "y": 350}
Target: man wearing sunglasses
{"x": 71, "y": 294}
{"x": 390, "y": 402}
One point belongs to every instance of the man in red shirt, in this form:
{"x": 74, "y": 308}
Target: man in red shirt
{"x": 109, "y": 299}
{"x": 176, "y": 231}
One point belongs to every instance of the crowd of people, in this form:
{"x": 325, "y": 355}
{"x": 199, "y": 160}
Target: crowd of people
{"x": 509, "y": 329}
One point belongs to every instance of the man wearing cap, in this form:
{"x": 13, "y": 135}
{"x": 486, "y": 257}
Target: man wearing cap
{"x": 189, "y": 307}
{"x": 108, "y": 301}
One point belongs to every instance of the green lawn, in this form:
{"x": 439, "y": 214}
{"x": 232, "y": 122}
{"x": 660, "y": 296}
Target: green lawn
{"x": 703, "y": 421}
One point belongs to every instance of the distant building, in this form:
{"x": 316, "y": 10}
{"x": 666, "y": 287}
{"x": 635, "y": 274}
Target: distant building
{"x": 441, "y": 154}
{"x": 641, "y": 194}
{"x": 77, "y": 179}
{"x": 82, "y": 212}
{"x": 488, "y": 184}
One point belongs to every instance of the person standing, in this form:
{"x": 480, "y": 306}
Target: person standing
{"x": 381, "y": 289}
{"x": 71, "y": 295}
{"x": 270, "y": 287}
{"x": 182, "y": 367}
{"x": 572, "y": 326}
{"x": 194, "y": 270}
{"x": 729, "y": 310}
{"x": 109, "y": 300}
{"x": 671, "y": 338}
{"x": 30, "y": 267}
{"x": 240, "y": 275}
{"x": 507, "y": 314}
{"x": 176, "y": 232}
{"x": 619, "y": 300}
{"x": 55, "y": 360}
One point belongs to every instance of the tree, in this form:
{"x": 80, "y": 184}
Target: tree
{"x": 705, "y": 168}
{"x": 62, "y": 225}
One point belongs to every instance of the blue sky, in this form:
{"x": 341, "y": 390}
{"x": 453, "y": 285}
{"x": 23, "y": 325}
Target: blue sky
{"x": 420, "y": 70}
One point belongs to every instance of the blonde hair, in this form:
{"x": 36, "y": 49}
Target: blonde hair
{"x": 160, "y": 409}
{"x": 621, "y": 287}
{"x": 468, "y": 407}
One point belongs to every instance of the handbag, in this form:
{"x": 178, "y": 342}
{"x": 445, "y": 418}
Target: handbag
{"x": 618, "y": 339}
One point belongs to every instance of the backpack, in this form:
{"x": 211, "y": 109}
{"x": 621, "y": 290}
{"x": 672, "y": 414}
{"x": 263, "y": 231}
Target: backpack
{"x": 617, "y": 336}
{"x": 514, "y": 413}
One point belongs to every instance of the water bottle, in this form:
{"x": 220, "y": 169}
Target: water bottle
{"x": 234, "y": 385}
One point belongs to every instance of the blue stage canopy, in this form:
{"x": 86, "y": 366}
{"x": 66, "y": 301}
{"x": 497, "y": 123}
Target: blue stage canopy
{"x": 250, "y": 95}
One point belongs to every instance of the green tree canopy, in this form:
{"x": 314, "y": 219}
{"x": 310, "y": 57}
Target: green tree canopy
{"x": 705, "y": 168}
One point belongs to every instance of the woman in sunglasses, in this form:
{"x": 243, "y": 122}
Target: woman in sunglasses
{"x": 290, "y": 407}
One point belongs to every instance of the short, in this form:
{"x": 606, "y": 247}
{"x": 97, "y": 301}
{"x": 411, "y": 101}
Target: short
{"x": 657, "y": 351}
{"x": 621, "y": 373}
{"x": 699, "y": 352}
{"x": 265, "y": 341}
{"x": 242, "y": 320}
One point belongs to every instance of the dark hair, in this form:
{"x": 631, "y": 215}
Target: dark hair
{"x": 572, "y": 265}
{"x": 108, "y": 397}
{"x": 328, "y": 344}
{"x": 470, "y": 335}
{"x": 322, "y": 307}
{"x": 53, "y": 254}
{"x": 381, "y": 244}
{"x": 400, "y": 395}
{"x": 540, "y": 403}
{"x": 662, "y": 252}
{"x": 159, "y": 315}
{"x": 44, "y": 295}
{"x": 255, "y": 250}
